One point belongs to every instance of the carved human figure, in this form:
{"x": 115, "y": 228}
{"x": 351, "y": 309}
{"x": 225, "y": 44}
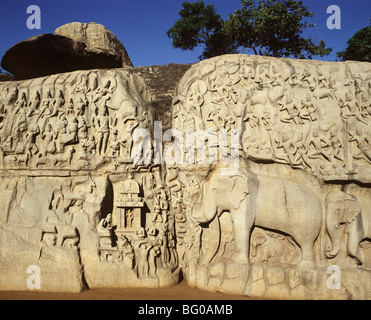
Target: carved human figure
{"x": 164, "y": 204}
{"x": 130, "y": 124}
{"x": 165, "y": 253}
{"x": 127, "y": 251}
{"x": 157, "y": 209}
{"x": 8, "y": 145}
{"x": 46, "y": 106}
{"x": 21, "y": 140}
{"x": 143, "y": 265}
{"x": 57, "y": 106}
{"x": 31, "y": 138}
{"x": 115, "y": 144}
{"x": 219, "y": 117}
{"x": 21, "y": 104}
{"x": 154, "y": 252}
{"x": 72, "y": 129}
{"x": 250, "y": 117}
{"x": 251, "y": 146}
{"x": 89, "y": 145}
{"x": 300, "y": 157}
{"x": 336, "y": 145}
{"x": 363, "y": 144}
{"x": 34, "y": 104}
{"x": 308, "y": 109}
{"x": 322, "y": 81}
{"x": 62, "y": 138}
{"x": 308, "y": 79}
{"x": 316, "y": 146}
{"x": 350, "y": 108}
{"x": 102, "y": 124}
{"x": 266, "y": 120}
{"x": 129, "y": 215}
{"x": 82, "y": 129}
{"x": 105, "y": 224}
{"x": 287, "y": 146}
{"x": 196, "y": 95}
{"x": 70, "y": 108}
{"x": 292, "y": 110}
{"x": 80, "y": 107}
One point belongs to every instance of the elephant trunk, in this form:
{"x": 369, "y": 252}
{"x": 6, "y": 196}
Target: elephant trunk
{"x": 203, "y": 212}
{"x": 332, "y": 226}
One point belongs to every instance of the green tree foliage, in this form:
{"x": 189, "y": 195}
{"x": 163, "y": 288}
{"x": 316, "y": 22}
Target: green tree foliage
{"x": 200, "y": 24}
{"x": 274, "y": 28}
{"x": 268, "y": 27}
{"x": 359, "y": 46}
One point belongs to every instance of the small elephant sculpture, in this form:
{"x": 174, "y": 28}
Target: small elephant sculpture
{"x": 258, "y": 200}
{"x": 344, "y": 208}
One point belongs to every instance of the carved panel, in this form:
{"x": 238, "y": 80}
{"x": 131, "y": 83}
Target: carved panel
{"x": 275, "y": 170}
{"x": 76, "y": 121}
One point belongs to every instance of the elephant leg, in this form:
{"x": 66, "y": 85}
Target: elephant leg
{"x": 307, "y": 257}
{"x": 242, "y": 225}
{"x": 353, "y": 244}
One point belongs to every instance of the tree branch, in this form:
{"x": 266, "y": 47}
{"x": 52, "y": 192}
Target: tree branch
{"x": 253, "y": 47}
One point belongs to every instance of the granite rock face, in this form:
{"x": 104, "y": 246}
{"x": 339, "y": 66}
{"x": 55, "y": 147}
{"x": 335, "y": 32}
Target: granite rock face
{"x": 49, "y": 54}
{"x": 260, "y": 188}
{"x": 161, "y": 82}
{"x": 272, "y": 168}
{"x": 79, "y": 201}
{"x": 95, "y": 35}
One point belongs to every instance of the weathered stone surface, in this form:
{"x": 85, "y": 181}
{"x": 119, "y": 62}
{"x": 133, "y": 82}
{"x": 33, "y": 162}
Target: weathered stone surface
{"x": 95, "y": 35}
{"x": 76, "y": 190}
{"x": 49, "y": 54}
{"x": 162, "y": 81}
{"x": 282, "y": 211}
{"x": 274, "y": 160}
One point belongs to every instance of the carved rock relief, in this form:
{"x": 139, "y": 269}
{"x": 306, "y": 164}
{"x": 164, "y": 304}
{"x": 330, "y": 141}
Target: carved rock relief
{"x": 298, "y": 199}
{"x": 310, "y": 115}
{"x": 73, "y": 191}
{"x": 74, "y": 121}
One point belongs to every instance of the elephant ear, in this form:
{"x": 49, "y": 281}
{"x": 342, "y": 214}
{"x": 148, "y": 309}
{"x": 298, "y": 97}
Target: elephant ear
{"x": 239, "y": 191}
{"x": 353, "y": 209}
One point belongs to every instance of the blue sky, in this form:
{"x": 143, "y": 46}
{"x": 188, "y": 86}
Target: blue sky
{"x": 141, "y": 25}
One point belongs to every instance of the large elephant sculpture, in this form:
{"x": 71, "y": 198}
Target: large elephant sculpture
{"x": 259, "y": 200}
{"x": 344, "y": 208}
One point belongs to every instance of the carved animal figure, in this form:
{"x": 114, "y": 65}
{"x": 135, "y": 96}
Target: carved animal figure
{"x": 23, "y": 158}
{"x": 63, "y": 157}
{"x": 257, "y": 200}
{"x": 344, "y": 208}
{"x": 324, "y": 93}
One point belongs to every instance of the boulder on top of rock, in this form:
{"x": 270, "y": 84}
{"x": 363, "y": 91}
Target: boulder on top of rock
{"x": 95, "y": 35}
{"x": 48, "y": 54}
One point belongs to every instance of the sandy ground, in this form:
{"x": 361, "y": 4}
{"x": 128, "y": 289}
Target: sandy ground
{"x": 179, "y": 292}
